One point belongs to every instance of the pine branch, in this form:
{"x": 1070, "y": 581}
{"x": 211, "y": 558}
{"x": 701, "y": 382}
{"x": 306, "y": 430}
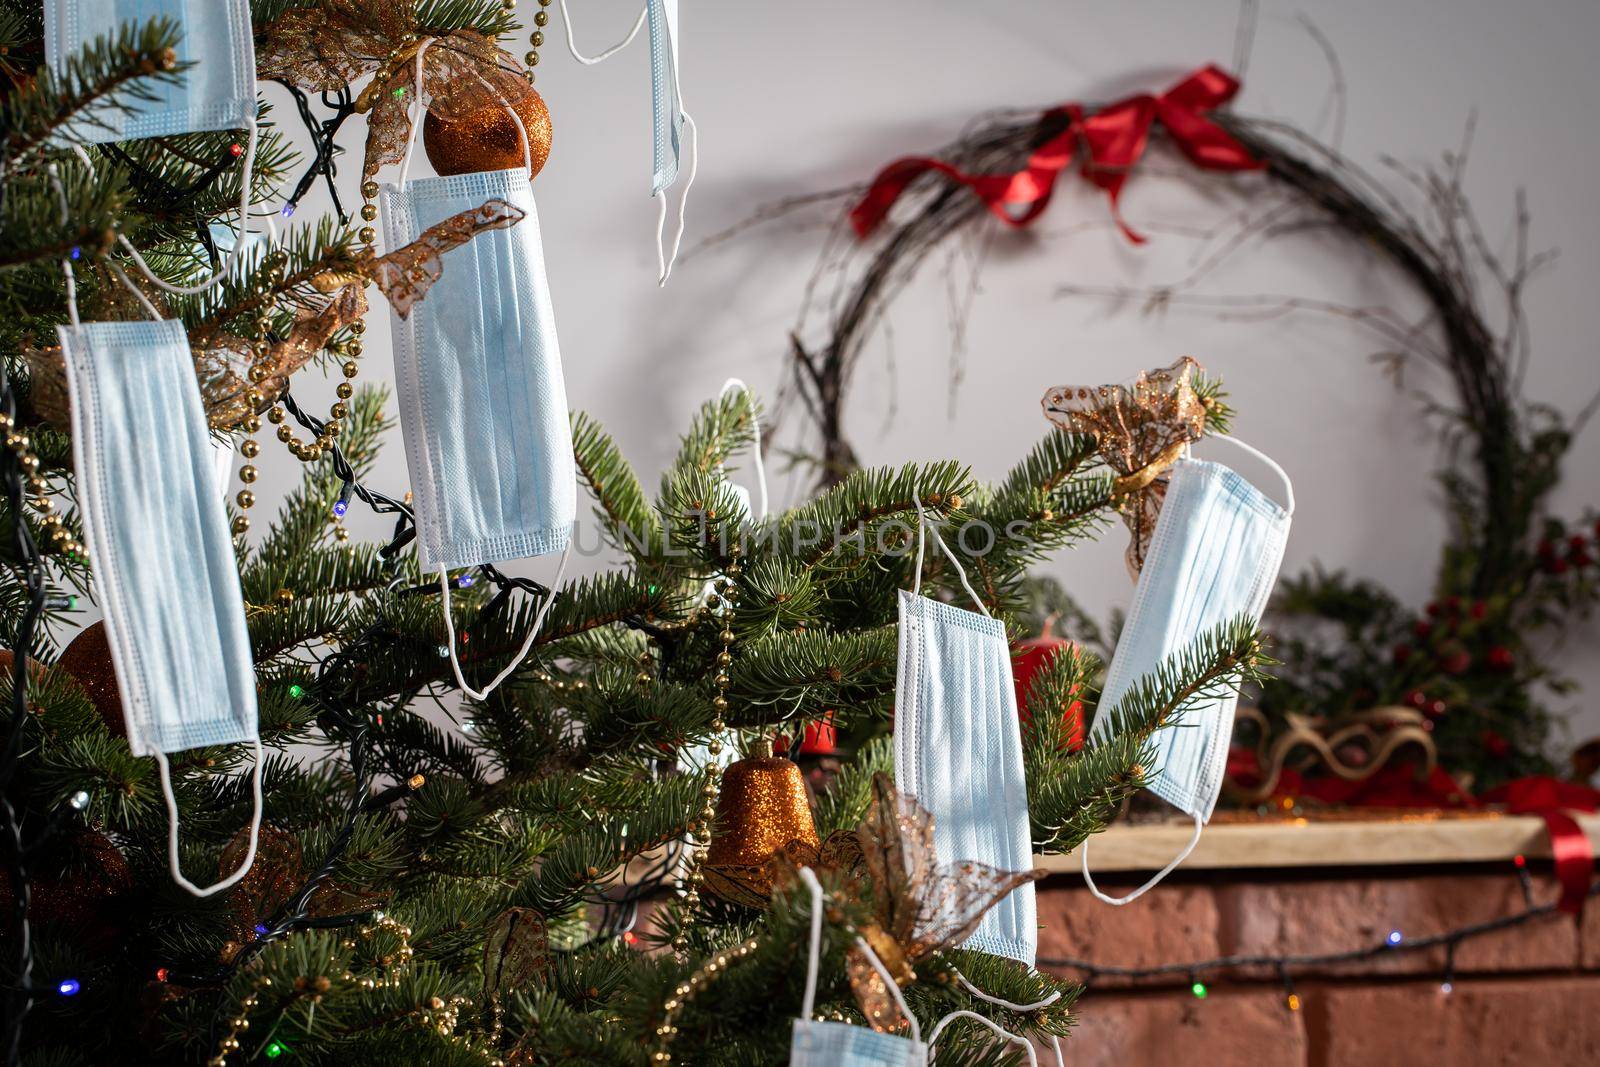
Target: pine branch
{"x": 112, "y": 74}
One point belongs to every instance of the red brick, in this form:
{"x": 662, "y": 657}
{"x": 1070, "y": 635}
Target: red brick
{"x": 1247, "y": 1026}
{"x": 1326, "y": 916}
{"x": 1484, "y": 1022}
{"x": 1589, "y": 936}
{"x": 1172, "y": 922}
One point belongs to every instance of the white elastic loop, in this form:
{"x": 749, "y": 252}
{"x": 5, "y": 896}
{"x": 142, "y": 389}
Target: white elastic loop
{"x": 1083, "y": 852}
{"x": 922, "y": 524}
{"x": 814, "y": 958}
{"x": 664, "y": 259}
{"x": 1283, "y": 475}
{"x": 527, "y": 645}
{"x": 755, "y": 424}
{"x": 999, "y": 1031}
{"x": 601, "y": 57}
{"x": 66, "y": 264}
{"x": 172, "y": 828}
{"x": 892, "y": 986}
{"x": 1003, "y": 1003}
{"x": 239, "y": 243}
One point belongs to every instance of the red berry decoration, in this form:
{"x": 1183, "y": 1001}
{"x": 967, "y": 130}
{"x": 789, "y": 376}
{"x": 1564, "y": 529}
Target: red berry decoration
{"x": 1501, "y": 658}
{"x": 1547, "y": 549}
{"x": 1422, "y": 628}
{"x": 1417, "y": 699}
{"x": 1581, "y": 558}
{"x": 1577, "y": 542}
{"x": 1480, "y": 610}
{"x": 1556, "y": 566}
{"x": 1495, "y": 745}
{"x": 1437, "y": 708}
{"x": 1401, "y": 654}
{"x": 1433, "y": 609}
{"x": 1457, "y": 661}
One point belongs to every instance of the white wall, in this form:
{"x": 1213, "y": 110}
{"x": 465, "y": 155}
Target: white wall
{"x": 792, "y": 99}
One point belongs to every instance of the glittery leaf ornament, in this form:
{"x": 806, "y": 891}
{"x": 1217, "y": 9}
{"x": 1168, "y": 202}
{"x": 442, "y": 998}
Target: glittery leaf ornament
{"x": 323, "y": 48}
{"x": 516, "y": 952}
{"x": 921, "y": 906}
{"x": 1140, "y": 431}
{"x": 223, "y": 360}
{"x": 462, "y": 72}
{"x": 406, "y": 274}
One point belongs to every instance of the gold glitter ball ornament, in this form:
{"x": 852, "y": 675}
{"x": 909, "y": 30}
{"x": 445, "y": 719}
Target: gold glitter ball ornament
{"x": 487, "y": 139}
{"x": 88, "y": 660}
{"x": 761, "y": 809}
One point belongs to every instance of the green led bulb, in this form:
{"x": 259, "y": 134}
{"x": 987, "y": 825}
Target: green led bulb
{"x": 1199, "y": 990}
{"x": 275, "y": 1049}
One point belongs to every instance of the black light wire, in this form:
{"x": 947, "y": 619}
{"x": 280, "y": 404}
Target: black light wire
{"x": 1450, "y": 939}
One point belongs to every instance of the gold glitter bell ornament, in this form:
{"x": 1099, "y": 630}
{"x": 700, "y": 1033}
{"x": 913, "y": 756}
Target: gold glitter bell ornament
{"x": 487, "y": 139}
{"x": 762, "y": 807}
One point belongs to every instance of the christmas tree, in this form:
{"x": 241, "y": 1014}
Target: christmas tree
{"x": 468, "y": 895}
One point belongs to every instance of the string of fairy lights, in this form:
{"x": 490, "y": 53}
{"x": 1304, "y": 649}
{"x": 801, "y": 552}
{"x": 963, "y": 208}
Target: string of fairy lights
{"x": 1394, "y": 942}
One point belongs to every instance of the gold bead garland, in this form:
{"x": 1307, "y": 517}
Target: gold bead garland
{"x": 685, "y": 991}
{"x": 313, "y": 988}
{"x": 700, "y": 827}
{"x": 55, "y": 528}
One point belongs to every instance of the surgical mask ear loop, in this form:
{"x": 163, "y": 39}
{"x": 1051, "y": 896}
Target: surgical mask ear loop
{"x": 527, "y": 644}
{"x": 755, "y": 422}
{"x": 808, "y": 1002}
{"x": 1083, "y": 856}
{"x": 172, "y": 828}
{"x": 1001, "y": 1002}
{"x": 239, "y": 243}
{"x": 1272, "y": 465}
{"x": 601, "y": 57}
{"x": 923, "y": 526}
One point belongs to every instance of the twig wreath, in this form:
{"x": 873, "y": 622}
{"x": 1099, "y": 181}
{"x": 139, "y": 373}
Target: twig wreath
{"x": 1464, "y": 667}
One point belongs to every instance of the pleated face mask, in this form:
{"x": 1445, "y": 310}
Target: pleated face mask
{"x": 958, "y": 747}
{"x": 1214, "y": 557}
{"x": 163, "y": 558}
{"x": 217, "y": 92}
{"x": 483, "y": 408}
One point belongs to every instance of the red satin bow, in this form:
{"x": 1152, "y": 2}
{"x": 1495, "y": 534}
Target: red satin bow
{"x": 1551, "y": 800}
{"x": 1113, "y": 141}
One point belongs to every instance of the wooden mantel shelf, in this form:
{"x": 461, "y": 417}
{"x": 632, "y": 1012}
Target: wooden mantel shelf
{"x": 1302, "y": 842}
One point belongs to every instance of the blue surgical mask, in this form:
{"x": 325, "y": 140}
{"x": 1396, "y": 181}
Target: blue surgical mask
{"x": 163, "y": 558}
{"x": 669, "y": 120}
{"x": 217, "y": 93}
{"x": 478, "y": 373}
{"x": 1213, "y": 559}
{"x": 958, "y": 747}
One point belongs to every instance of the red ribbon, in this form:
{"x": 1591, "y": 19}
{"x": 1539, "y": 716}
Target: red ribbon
{"x": 1113, "y": 140}
{"x": 1551, "y": 800}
